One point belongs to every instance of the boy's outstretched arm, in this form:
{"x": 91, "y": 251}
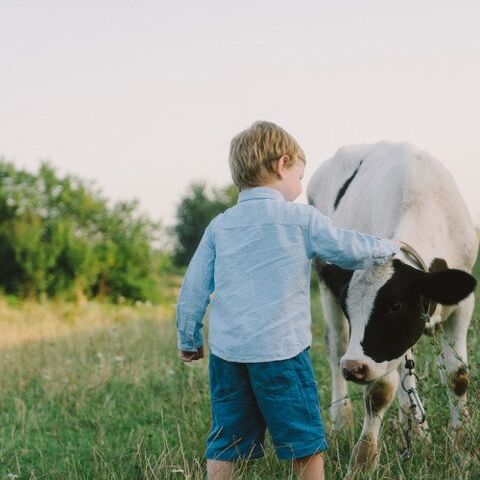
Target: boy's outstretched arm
{"x": 193, "y": 298}
{"x": 346, "y": 248}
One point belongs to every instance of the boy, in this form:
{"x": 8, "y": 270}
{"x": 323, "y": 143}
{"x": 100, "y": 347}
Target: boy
{"x": 257, "y": 257}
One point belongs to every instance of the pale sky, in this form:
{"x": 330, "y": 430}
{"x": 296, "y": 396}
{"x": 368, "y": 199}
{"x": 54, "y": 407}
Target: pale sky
{"x": 144, "y": 97}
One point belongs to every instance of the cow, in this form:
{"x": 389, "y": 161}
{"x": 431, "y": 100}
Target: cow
{"x": 376, "y": 315}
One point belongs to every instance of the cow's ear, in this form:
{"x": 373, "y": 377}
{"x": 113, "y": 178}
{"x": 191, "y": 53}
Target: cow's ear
{"x": 447, "y": 287}
{"x": 335, "y": 278}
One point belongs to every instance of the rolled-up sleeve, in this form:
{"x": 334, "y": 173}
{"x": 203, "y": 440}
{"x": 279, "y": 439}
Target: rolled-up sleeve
{"x": 194, "y": 294}
{"x": 346, "y": 248}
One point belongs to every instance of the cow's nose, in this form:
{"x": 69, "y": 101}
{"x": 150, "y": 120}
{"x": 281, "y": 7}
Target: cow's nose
{"x": 354, "y": 370}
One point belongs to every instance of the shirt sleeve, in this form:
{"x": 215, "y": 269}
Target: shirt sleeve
{"x": 346, "y": 248}
{"x": 194, "y": 294}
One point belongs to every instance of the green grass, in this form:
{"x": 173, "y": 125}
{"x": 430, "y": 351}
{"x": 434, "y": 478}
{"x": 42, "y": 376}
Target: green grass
{"x": 97, "y": 392}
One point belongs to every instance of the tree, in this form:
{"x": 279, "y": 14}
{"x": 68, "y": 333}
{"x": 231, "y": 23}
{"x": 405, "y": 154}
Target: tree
{"x": 194, "y": 213}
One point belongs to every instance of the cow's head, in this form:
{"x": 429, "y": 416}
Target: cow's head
{"x": 384, "y": 306}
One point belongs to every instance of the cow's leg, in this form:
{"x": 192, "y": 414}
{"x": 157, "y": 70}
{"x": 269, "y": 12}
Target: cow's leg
{"x": 337, "y": 338}
{"x": 453, "y": 364}
{"x": 377, "y": 397}
{"x": 420, "y": 429}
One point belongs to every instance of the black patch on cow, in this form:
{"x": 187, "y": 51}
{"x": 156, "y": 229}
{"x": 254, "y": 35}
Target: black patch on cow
{"x": 342, "y": 191}
{"x": 395, "y": 322}
{"x": 336, "y": 279}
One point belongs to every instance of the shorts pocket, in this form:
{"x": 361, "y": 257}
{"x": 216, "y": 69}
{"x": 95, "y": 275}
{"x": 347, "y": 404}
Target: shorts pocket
{"x": 274, "y": 377}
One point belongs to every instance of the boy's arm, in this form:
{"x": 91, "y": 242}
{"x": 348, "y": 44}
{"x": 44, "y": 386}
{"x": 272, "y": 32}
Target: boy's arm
{"x": 348, "y": 249}
{"x": 194, "y": 295}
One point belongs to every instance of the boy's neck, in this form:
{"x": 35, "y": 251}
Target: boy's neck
{"x": 275, "y": 186}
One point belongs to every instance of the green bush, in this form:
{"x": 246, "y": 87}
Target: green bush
{"x": 60, "y": 238}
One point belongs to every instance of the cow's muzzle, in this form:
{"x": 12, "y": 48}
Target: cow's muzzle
{"x": 354, "y": 371}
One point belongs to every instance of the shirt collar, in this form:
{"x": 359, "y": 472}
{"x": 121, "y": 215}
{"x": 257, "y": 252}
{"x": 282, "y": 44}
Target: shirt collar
{"x": 260, "y": 192}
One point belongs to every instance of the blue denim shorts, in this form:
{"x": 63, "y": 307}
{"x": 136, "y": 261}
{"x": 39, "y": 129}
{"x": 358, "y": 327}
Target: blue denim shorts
{"x": 247, "y": 398}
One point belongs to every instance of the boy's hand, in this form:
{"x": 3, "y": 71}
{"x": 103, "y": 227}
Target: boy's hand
{"x": 189, "y": 356}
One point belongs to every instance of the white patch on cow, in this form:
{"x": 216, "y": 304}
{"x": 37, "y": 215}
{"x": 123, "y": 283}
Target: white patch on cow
{"x": 361, "y": 295}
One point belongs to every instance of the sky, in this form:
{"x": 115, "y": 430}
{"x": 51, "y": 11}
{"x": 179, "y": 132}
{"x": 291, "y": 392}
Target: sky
{"x": 143, "y": 98}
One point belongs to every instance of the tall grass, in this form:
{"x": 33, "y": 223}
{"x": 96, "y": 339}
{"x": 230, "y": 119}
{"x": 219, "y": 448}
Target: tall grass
{"x": 97, "y": 392}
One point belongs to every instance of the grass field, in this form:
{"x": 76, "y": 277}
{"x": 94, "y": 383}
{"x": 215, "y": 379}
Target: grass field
{"x": 97, "y": 392}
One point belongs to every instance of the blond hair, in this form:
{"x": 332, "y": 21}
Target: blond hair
{"x": 254, "y": 150}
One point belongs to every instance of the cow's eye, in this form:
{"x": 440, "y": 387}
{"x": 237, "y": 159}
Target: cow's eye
{"x": 395, "y": 307}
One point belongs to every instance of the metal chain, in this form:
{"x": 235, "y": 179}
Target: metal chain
{"x": 416, "y": 411}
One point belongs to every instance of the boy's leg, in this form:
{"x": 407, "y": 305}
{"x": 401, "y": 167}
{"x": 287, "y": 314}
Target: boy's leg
{"x": 219, "y": 470}
{"x": 286, "y": 392}
{"x": 238, "y": 427}
{"x": 309, "y": 468}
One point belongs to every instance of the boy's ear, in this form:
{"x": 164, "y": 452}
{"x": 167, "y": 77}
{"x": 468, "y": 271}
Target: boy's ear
{"x": 447, "y": 287}
{"x": 275, "y": 165}
{"x": 280, "y": 164}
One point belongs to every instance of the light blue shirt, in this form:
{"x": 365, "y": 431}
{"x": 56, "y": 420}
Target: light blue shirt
{"x": 256, "y": 257}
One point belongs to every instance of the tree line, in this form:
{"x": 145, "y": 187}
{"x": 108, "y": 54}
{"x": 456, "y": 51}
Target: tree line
{"x": 60, "y": 238}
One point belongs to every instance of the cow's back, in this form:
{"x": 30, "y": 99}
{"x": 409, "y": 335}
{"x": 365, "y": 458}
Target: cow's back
{"x": 394, "y": 190}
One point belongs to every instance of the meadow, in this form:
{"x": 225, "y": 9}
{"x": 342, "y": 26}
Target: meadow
{"x": 96, "y": 391}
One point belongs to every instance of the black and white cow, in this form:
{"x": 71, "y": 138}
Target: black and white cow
{"x": 373, "y": 316}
